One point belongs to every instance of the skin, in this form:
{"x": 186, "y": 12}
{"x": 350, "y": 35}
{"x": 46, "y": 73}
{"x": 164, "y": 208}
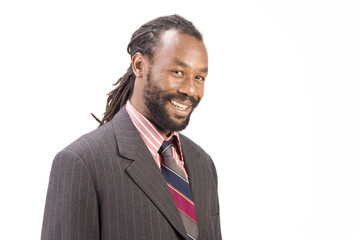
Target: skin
{"x": 179, "y": 66}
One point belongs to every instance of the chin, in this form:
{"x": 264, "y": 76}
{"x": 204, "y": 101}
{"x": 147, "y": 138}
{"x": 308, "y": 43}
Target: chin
{"x": 177, "y": 124}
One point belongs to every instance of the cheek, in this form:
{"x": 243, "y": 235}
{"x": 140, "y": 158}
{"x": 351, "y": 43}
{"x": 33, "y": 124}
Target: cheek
{"x": 200, "y": 90}
{"x": 170, "y": 83}
{"x": 163, "y": 81}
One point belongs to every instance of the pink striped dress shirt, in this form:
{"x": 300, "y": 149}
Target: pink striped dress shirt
{"x": 154, "y": 138}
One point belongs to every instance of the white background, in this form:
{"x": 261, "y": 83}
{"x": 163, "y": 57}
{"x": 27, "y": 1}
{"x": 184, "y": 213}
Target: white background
{"x": 281, "y": 114}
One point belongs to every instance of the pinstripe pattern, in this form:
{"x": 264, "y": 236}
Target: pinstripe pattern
{"x": 106, "y": 185}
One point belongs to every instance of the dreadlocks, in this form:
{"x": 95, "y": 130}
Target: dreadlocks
{"x": 144, "y": 40}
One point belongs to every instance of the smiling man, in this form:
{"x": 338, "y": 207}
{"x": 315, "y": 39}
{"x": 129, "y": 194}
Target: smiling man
{"x": 136, "y": 176}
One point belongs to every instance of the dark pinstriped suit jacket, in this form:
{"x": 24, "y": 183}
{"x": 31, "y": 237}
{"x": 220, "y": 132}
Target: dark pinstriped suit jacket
{"x": 106, "y": 185}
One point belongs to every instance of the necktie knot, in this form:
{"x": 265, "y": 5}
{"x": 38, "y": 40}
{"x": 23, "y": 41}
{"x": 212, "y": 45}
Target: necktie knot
{"x": 165, "y": 149}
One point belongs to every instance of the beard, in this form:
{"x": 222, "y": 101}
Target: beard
{"x": 156, "y": 100}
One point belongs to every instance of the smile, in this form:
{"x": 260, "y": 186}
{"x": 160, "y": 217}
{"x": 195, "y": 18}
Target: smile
{"x": 179, "y": 105}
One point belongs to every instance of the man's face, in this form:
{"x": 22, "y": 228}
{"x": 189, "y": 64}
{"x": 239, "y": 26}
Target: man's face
{"x": 173, "y": 83}
{"x": 156, "y": 101}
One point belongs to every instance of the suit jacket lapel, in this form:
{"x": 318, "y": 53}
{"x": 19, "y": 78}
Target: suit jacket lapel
{"x": 144, "y": 171}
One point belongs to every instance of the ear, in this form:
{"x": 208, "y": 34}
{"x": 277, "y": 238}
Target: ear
{"x": 138, "y": 64}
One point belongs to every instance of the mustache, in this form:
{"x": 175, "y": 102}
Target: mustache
{"x": 182, "y": 97}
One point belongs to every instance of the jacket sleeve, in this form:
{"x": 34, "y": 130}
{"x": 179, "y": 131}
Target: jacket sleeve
{"x": 71, "y": 209}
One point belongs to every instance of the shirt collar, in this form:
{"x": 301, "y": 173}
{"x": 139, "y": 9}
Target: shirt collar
{"x": 151, "y": 135}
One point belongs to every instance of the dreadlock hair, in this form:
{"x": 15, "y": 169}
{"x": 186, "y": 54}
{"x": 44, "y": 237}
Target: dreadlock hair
{"x": 144, "y": 40}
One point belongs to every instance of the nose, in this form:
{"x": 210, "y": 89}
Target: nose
{"x": 188, "y": 87}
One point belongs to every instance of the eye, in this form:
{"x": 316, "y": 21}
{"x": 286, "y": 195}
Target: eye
{"x": 177, "y": 73}
{"x": 200, "y": 78}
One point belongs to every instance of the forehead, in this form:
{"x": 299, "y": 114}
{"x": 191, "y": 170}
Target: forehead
{"x": 178, "y": 47}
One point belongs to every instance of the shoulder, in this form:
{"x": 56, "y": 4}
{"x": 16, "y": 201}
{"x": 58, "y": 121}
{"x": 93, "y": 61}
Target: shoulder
{"x": 188, "y": 143}
{"x": 92, "y": 144}
{"x": 190, "y": 146}
{"x": 196, "y": 154}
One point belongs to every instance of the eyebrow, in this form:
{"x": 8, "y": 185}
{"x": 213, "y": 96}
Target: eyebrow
{"x": 182, "y": 64}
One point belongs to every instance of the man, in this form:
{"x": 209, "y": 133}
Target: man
{"x": 136, "y": 176}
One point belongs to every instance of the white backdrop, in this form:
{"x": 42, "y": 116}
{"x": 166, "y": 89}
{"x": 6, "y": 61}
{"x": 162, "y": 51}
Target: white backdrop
{"x": 280, "y": 116}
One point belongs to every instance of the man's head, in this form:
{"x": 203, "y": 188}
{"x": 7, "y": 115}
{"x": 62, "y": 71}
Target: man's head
{"x": 166, "y": 78}
{"x": 170, "y": 84}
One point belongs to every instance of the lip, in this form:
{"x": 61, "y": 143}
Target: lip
{"x": 181, "y": 109}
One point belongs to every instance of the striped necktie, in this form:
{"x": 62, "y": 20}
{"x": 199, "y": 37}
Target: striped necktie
{"x": 180, "y": 189}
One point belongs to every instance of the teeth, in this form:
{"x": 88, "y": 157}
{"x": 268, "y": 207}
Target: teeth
{"x": 179, "y": 105}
